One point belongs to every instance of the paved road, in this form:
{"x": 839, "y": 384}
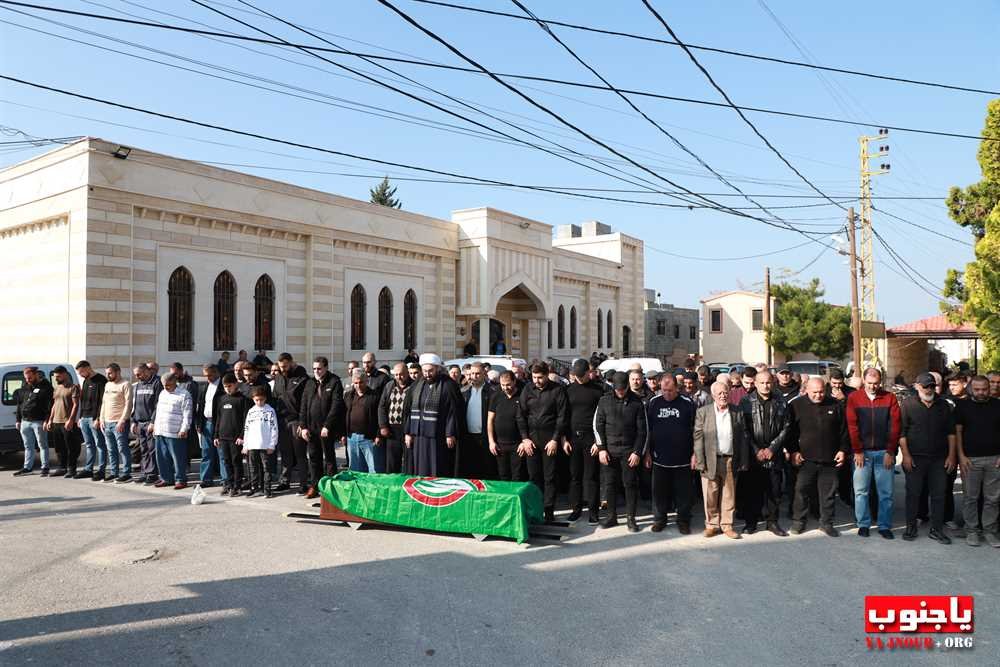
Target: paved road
{"x": 99, "y": 573}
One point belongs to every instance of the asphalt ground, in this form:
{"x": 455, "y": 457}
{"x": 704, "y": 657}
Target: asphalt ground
{"x": 97, "y": 573}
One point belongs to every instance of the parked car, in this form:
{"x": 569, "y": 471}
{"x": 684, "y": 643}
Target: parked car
{"x": 11, "y": 379}
{"x": 497, "y": 362}
{"x": 647, "y": 363}
{"x": 820, "y": 367}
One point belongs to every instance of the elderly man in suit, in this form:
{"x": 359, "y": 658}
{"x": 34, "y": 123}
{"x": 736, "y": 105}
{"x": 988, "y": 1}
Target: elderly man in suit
{"x": 474, "y": 458}
{"x": 720, "y": 451}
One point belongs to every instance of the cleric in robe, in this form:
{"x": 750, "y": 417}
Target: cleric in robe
{"x": 432, "y": 413}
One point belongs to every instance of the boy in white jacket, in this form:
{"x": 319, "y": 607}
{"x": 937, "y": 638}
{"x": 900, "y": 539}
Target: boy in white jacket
{"x": 260, "y": 437}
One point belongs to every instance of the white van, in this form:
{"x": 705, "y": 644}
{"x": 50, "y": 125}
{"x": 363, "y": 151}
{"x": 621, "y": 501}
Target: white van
{"x": 11, "y": 379}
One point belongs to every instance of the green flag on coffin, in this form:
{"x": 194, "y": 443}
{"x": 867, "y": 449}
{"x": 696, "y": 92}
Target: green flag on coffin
{"x": 503, "y": 509}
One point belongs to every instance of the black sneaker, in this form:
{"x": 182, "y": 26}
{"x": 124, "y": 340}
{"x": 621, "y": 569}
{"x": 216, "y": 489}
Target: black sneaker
{"x": 830, "y": 531}
{"x": 124, "y": 479}
{"x": 70, "y": 474}
{"x": 575, "y": 514}
{"x": 910, "y": 533}
{"x": 658, "y": 526}
{"x": 83, "y": 474}
{"x": 22, "y": 471}
{"x": 797, "y": 529}
{"x": 147, "y": 481}
{"x": 45, "y": 472}
{"x": 97, "y": 476}
{"x": 268, "y": 493}
{"x": 633, "y": 527}
{"x": 864, "y": 532}
{"x": 550, "y": 515}
{"x": 282, "y": 486}
{"x": 252, "y": 493}
{"x": 610, "y": 521}
{"x": 939, "y": 535}
{"x": 225, "y": 490}
{"x": 887, "y": 534}
{"x": 594, "y": 517}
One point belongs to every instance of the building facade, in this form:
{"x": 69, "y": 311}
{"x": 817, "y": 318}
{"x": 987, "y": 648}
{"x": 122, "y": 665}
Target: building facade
{"x": 672, "y": 333}
{"x": 155, "y": 257}
{"x": 733, "y": 328}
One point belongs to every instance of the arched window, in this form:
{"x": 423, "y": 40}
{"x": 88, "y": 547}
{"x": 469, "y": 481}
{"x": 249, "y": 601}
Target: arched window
{"x": 611, "y": 324}
{"x": 263, "y": 315}
{"x": 626, "y": 341}
{"x": 224, "y": 298}
{"x": 385, "y": 319}
{"x": 561, "y": 327}
{"x": 358, "y": 304}
{"x": 180, "y": 311}
{"x": 549, "y": 327}
{"x": 572, "y": 328}
{"x": 600, "y": 329}
{"x": 410, "y": 320}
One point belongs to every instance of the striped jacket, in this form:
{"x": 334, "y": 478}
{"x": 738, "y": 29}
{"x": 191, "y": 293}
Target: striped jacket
{"x": 173, "y": 413}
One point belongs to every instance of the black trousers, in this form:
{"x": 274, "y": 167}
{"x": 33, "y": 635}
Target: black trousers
{"x": 584, "y": 472}
{"x": 233, "y": 457}
{"x": 293, "y": 455}
{"x": 67, "y": 443}
{"x": 818, "y": 480}
{"x": 763, "y": 492}
{"x": 260, "y": 474}
{"x": 542, "y": 471}
{"x": 616, "y": 473}
{"x": 475, "y": 461}
{"x": 927, "y": 470}
{"x": 510, "y": 466}
{"x": 396, "y": 453}
{"x": 672, "y": 485}
{"x": 322, "y": 456}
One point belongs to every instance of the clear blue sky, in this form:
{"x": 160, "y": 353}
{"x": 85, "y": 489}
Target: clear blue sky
{"x": 923, "y": 40}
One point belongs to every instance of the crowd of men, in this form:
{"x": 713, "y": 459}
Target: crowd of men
{"x": 743, "y": 442}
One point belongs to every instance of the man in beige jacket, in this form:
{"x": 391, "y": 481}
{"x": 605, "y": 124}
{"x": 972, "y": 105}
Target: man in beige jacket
{"x": 720, "y": 452}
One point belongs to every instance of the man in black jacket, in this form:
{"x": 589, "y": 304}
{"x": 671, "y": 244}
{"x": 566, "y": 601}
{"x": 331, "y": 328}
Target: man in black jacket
{"x": 321, "y": 417}
{"x": 377, "y": 380}
{"x": 544, "y": 406}
{"x": 928, "y": 444}
{"x": 390, "y": 420}
{"x": 474, "y": 458}
{"x": 582, "y": 397}
{"x": 787, "y": 388}
{"x": 91, "y": 395}
{"x": 620, "y": 434}
{"x": 34, "y": 403}
{"x": 819, "y": 443}
{"x": 765, "y": 418}
{"x": 288, "y": 388}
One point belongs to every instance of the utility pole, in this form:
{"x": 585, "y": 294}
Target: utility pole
{"x": 855, "y": 314}
{"x": 767, "y": 312}
{"x": 867, "y": 264}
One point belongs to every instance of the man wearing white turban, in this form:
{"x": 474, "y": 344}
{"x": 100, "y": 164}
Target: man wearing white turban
{"x": 432, "y": 420}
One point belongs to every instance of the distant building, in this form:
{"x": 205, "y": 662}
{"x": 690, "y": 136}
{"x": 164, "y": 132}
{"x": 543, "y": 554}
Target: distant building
{"x": 733, "y": 328}
{"x": 671, "y": 332}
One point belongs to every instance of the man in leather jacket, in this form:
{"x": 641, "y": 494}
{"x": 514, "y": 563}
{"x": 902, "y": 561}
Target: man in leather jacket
{"x": 765, "y": 415}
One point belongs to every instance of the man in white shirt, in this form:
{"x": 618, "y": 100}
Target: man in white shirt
{"x": 474, "y": 458}
{"x": 209, "y": 394}
{"x": 720, "y": 452}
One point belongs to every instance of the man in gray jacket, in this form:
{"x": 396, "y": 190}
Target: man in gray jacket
{"x": 720, "y": 451}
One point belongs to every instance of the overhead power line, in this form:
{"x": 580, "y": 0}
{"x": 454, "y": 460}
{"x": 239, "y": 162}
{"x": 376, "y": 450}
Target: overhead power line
{"x": 725, "y": 96}
{"x": 712, "y": 49}
{"x": 577, "y": 84}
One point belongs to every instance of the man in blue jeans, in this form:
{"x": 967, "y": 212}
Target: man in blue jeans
{"x": 116, "y": 413}
{"x": 873, "y": 421}
{"x": 91, "y": 396}
{"x": 34, "y": 402}
{"x": 209, "y": 395}
{"x": 364, "y": 446}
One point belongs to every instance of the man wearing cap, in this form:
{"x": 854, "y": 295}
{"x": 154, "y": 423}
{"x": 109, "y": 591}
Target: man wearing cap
{"x": 582, "y": 397}
{"x": 670, "y": 453}
{"x": 653, "y": 382}
{"x": 432, "y": 420}
{"x": 873, "y": 422}
{"x": 928, "y": 445}
{"x": 620, "y": 433}
{"x": 787, "y": 388}
{"x": 977, "y": 430}
{"x": 543, "y": 404}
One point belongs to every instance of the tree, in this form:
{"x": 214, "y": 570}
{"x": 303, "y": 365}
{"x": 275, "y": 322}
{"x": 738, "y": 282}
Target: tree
{"x": 976, "y": 291}
{"x": 805, "y": 323}
{"x": 385, "y": 195}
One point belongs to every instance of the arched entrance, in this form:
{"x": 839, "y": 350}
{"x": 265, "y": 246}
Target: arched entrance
{"x": 498, "y": 333}
{"x": 626, "y": 341}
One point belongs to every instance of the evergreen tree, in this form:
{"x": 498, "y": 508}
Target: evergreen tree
{"x": 385, "y": 195}
{"x": 805, "y": 323}
{"x": 976, "y": 291}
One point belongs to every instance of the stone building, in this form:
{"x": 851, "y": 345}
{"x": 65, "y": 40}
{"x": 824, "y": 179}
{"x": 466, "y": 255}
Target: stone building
{"x": 671, "y": 332}
{"x": 117, "y": 254}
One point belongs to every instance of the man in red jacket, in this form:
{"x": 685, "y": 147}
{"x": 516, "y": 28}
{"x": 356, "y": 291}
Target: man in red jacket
{"x": 873, "y": 421}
